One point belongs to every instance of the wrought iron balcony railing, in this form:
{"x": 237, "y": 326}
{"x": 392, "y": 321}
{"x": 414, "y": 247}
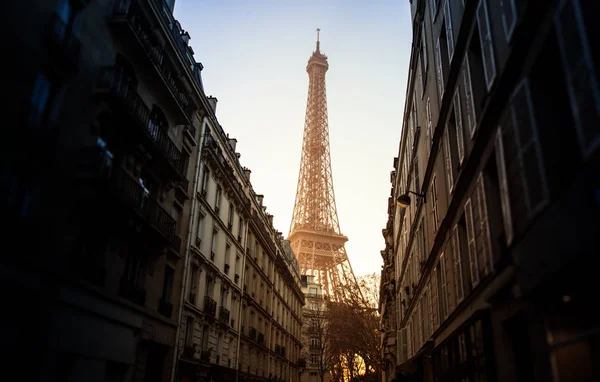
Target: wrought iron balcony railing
{"x": 210, "y": 306}
{"x": 127, "y": 10}
{"x": 135, "y": 196}
{"x": 113, "y": 81}
{"x": 223, "y": 314}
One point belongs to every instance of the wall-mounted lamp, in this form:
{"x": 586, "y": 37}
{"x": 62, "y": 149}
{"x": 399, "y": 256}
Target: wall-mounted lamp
{"x": 404, "y": 199}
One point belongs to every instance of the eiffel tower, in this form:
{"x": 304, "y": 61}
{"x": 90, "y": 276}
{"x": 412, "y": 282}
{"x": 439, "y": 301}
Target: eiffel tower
{"x": 315, "y": 231}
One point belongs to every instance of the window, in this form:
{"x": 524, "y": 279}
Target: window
{"x": 434, "y": 300}
{"x": 529, "y": 151}
{"x": 434, "y": 203}
{"x": 193, "y": 283}
{"x": 39, "y": 99}
{"x": 509, "y": 17}
{"x": 460, "y": 144}
{"x": 167, "y": 291}
{"x": 189, "y": 331}
{"x": 213, "y": 244}
{"x": 455, "y": 252}
{"x": 205, "y": 176}
{"x": 217, "y": 199}
{"x": 230, "y": 216}
{"x": 199, "y": 229}
{"x": 443, "y": 287}
{"x": 240, "y": 229}
{"x": 470, "y": 117}
{"x": 487, "y": 49}
{"x": 424, "y": 57}
{"x": 449, "y": 32}
{"x": 429, "y": 124}
{"x": 440, "y": 69}
{"x": 504, "y": 193}
{"x": 580, "y": 75}
{"x": 176, "y": 213}
{"x": 471, "y": 243}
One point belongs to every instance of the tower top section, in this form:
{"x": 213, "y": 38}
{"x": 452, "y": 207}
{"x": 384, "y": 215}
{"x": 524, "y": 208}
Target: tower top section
{"x": 317, "y": 59}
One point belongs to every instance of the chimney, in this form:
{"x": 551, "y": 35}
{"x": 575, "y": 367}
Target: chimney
{"x": 213, "y": 103}
{"x": 260, "y": 199}
{"x": 232, "y": 142}
{"x": 270, "y": 217}
{"x": 185, "y": 36}
{"x": 247, "y": 172}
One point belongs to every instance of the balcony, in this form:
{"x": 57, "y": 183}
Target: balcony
{"x": 210, "y": 306}
{"x": 134, "y": 195}
{"x": 165, "y": 308}
{"x": 173, "y": 26}
{"x": 223, "y": 314}
{"x": 132, "y": 292}
{"x": 125, "y": 12}
{"x": 63, "y": 44}
{"x": 117, "y": 85}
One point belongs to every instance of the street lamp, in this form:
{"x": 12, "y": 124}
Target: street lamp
{"x": 404, "y": 199}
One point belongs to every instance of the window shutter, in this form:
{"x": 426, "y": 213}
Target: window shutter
{"x": 448, "y": 162}
{"x": 485, "y": 248}
{"x": 530, "y": 155}
{"x": 580, "y": 76}
{"x": 440, "y": 72}
{"x": 504, "y": 192}
{"x": 429, "y": 123}
{"x": 460, "y": 143}
{"x": 471, "y": 243}
{"x": 404, "y": 345}
{"x": 449, "y": 34}
{"x": 409, "y": 334}
{"x": 434, "y": 300}
{"x": 434, "y": 203}
{"x": 487, "y": 48}
{"x": 443, "y": 288}
{"x": 458, "y": 276}
{"x": 469, "y": 102}
{"x": 424, "y": 49}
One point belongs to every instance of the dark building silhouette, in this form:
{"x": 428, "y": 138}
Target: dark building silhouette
{"x": 104, "y": 274}
{"x": 490, "y": 272}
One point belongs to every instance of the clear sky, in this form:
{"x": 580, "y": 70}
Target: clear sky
{"x": 255, "y": 53}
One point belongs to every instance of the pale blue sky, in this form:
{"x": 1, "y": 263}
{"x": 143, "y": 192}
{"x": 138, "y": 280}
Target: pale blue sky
{"x": 254, "y": 55}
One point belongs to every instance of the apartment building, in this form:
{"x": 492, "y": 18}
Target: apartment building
{"x": 314, "y": 331}
{"x": 241, "y": 313}
{"x": 491, "y": 222}
{"x": 107, "y": 104}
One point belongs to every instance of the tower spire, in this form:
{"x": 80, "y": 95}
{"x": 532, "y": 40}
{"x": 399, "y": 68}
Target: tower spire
{"x": 315, "y": 234}
{"x": 318, "y": 43}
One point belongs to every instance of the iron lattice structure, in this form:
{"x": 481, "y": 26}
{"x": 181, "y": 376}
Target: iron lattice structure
{"x": 315, "y": 233}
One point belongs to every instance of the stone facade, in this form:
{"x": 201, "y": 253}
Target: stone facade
{"x": 485, "y": 266}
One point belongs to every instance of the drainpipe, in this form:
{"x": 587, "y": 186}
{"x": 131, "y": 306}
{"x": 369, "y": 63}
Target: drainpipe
{"x": 187, "y": 257}
{"x": 243, "y": 278}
